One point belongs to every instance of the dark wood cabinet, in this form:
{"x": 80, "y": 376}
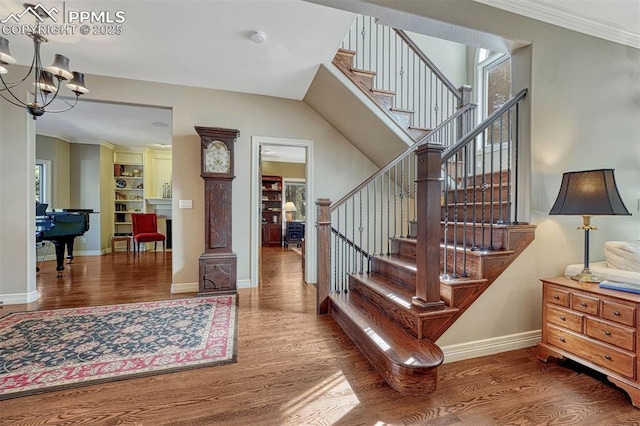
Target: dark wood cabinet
{"x": 271, "y": 210}
{"x": 271, "y": 235}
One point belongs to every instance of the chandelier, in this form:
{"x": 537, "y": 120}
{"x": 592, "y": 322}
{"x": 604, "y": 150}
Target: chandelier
{"x": 47, "y": 80}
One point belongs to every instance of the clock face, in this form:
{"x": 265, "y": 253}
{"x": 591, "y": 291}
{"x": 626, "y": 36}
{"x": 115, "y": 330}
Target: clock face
{"x": 217, "y": 158}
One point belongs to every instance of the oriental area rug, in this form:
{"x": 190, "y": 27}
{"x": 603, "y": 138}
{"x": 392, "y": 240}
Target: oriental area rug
{"x": 51, "y": 350}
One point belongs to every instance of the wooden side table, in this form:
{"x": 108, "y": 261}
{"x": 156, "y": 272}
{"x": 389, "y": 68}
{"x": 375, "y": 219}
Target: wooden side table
{"x": 597, "y": 327}
{"x": 117, "y": 238}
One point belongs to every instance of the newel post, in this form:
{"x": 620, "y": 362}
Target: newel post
{"x": 428, "y": 217}
{"x": 323, "y": 226}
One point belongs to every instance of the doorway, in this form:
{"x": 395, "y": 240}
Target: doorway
{"x": 263, "y": 149}
{"x": 130, "y": 173}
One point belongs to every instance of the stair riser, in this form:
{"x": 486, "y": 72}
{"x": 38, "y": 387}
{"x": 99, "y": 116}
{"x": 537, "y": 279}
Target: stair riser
{"x": 365, "y": 79}
{"x": 385, "y": 101}
{"x": 488, "y": 214}
{"x": 404, "y": 248}
{"x": 400, "y": 276}
{"x": 473, "y": 264}
{"x": 460, "y": 296}
{"x": 497, "y": 177}
{"x": 384, "y": 306}
{"x": 499, "y": 193}
{"x": 476, "y": 236}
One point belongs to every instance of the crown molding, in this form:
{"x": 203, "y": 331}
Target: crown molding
{"x": 555, "y": 14}
{"x": 93, "y": 142}
{"x": 55, "y": 135}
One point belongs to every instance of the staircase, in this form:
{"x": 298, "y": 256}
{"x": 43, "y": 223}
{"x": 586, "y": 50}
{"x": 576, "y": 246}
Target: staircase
{"x": 385, "y": 99}
{"x": 407, "y": 252}
{"x": 397, "y": 336}
{"x": 398, "y": 77}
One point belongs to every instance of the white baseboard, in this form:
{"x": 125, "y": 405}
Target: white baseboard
{"x": 492, "y": 346}
{"x": 52, "y": 256}
{"x": 19, "y": 298}
{"x": 244, "y": 284}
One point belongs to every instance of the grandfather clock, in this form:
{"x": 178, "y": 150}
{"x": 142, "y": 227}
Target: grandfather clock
{"x": 218, "y": 263}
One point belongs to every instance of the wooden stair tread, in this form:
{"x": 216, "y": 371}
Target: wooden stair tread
{"x": 363, "y": 72}
{"x": 419, "y": 129}
{"x": 478, "y": 252}
{"x": 402, "y": 110}
{"x": 462, "y": 282}
{"x": 346, "y": 52}
{"x": 398, "y": 260}
{"x": 399, "y": 295}
{"x": 395, "y": 343}
{"x": 383, "y": 92}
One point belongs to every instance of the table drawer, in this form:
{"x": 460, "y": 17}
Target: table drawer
{"x": 623, "y": 314}
{"x": 617, "y": 335}
{"x": 586, "y": 304}
{"x": 605, "y": 356}
{"x": 557, "y": 296}
{"x": 564, "y": 318}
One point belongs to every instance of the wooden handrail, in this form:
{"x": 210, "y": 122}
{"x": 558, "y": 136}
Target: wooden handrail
{"x": 453, "y": 89}
{"x": 453, "y": 149}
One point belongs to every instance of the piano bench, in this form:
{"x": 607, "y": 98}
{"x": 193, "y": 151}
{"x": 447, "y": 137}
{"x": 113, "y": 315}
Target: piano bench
{"x": 117, "y": 238}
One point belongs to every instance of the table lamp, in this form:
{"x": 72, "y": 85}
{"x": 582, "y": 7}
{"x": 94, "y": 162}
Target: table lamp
{"x": 588, "y": 193}
{"x": 289, "y": 208}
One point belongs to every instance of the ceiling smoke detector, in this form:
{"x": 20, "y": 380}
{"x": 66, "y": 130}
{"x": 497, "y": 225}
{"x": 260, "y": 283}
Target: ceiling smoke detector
{"x": 258, "y": 37}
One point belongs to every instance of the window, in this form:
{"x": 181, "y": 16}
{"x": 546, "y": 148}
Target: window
{"x": 295, "y": 191}
{"x": 494, "y": 89}
{"x": 43, "y": 181}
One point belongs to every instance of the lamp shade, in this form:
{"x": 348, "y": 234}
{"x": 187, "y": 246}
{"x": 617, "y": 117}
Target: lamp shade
{"x": 589, "y": 192}
{"x": 5, "y": 54}
{"x": 45, "y": 82}
{"x": 290, "y": 207}
{"x": 60, "y": 67}
{"x": 77, "y": 84}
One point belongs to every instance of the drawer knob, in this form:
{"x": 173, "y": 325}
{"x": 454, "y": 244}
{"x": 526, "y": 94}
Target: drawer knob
{"x": 555, "y": 296}
{"x": 562, "y": 339}
{"x": 607, "y": 357}
{"x": 584, "y": 305}
{"x": 607, "y": 332}
{"x": 562, "y": 317}
{"x": 616, "y": 313}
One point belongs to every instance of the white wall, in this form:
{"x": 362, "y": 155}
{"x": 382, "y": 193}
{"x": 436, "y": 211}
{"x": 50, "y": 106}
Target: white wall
{"x": 448, "y": 56}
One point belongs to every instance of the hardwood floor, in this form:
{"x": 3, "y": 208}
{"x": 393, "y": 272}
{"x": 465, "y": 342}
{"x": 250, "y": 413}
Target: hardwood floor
{"x": 295, "y": 368}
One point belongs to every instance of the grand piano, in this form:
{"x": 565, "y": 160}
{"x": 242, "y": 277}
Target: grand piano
{"x": 61, "y": 228}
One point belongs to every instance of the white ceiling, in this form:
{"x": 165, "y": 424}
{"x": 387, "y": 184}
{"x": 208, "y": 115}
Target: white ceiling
{"x": 206, "y": 43}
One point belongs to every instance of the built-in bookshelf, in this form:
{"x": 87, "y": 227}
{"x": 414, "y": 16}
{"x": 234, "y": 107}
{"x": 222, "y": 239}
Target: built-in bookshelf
{"x": 271, "y": 210}
{"x": 128, "y": 190}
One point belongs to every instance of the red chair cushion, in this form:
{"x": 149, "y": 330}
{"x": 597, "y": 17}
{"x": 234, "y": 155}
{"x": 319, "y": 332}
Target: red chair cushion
{"x": 147, "y": 237}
